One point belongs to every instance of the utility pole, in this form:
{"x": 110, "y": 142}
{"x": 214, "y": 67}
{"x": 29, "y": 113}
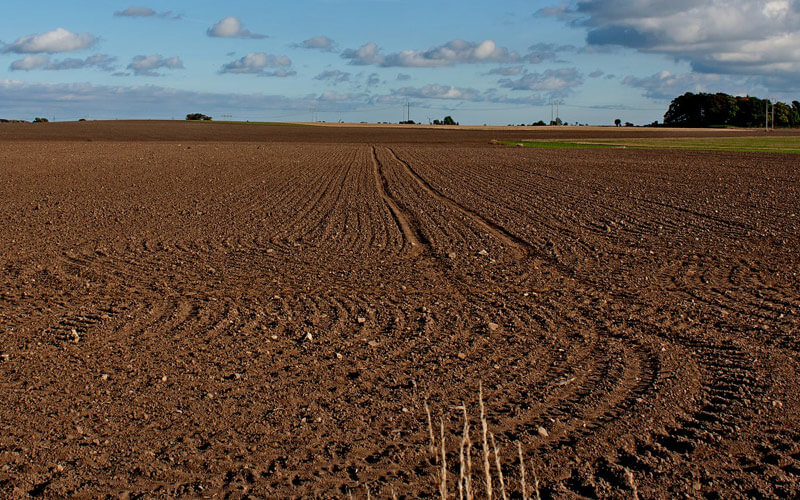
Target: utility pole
{"x": 766, "y": 117}
{"x": 773, "y": 117}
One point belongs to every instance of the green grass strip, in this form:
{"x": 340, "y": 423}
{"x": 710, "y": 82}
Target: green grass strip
{"x": 270, "y": 124}
{"x": 787, "y": 145}
{"x": 556, "y": 144}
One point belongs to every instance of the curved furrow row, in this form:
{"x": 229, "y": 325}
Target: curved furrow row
{"x": 589, "y": 388}
{"x": 410, "y": 350}
{"x": 747, "y": 297}
{"x": 729, "y": 384}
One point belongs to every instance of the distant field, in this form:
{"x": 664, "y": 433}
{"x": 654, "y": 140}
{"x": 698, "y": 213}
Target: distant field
{"x": 789, "y": 145}
{"x": 274, "y": 124}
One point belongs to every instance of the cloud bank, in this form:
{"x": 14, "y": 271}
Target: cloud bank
{"x": 333, "y": 76}
{"x": 39, "y": 61}
{"x": 147, "y": 65}
{"x": 145, "y": 12}
{"x": 740, "y": 37}
{"x": 556, "y": 82}
{"x": 259, "y": 63}
{"x": 664, "y": 86}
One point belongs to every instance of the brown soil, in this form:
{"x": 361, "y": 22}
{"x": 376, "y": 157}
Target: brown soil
{"x": 246, "y": 310}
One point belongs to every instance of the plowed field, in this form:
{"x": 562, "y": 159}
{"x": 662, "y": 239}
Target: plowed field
{"x": 211, "y": 310}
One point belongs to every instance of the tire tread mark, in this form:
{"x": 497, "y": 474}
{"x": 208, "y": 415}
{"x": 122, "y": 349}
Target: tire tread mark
{"x": 519, "y": 248}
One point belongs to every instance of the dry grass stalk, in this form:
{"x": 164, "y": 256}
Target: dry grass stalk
{"x": 465, "y": 492}
{"x": 522, "y": 472}
{"x": 461, "y": 471}
{"x": 468, "y": 444}
{"x": 535, "y": 484}
{"x": 443, "y": 486}
{"x": 499, "y": 468}
{"x": 432, "y": 444}
{"x": 484, "y": 429}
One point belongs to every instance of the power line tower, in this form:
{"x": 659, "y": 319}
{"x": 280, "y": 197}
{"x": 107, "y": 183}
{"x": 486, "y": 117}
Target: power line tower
{"x": 554, "y": 111}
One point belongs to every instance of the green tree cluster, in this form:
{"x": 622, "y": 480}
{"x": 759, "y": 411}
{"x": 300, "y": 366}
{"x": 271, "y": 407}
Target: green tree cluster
{"x": 448, "y": 120}
{"x": 719, "y": 110}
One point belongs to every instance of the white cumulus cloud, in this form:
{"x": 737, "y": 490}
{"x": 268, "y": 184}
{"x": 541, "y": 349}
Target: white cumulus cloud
{"x": 51, "y": 42}
{"x": 321, "y": 42}
{"x": 367, "y": 54}
{"x": 231, "y": 27}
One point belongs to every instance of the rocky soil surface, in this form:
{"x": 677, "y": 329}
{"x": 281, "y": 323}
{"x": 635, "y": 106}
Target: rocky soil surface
{"x": 211, "y": 310}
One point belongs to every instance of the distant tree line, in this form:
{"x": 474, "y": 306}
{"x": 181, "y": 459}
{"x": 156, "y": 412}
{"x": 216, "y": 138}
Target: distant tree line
{"x": 448, "y": 120}
{"x": 198, "y": 116}
{"x": 719, "y": 110}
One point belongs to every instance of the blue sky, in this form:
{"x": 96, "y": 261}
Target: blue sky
{"x": 361, "y": 60}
